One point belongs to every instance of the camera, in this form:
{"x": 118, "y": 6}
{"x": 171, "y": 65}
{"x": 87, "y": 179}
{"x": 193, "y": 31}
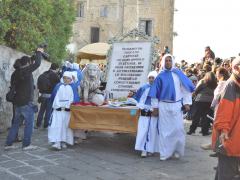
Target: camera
{"x": 44, "y": 54}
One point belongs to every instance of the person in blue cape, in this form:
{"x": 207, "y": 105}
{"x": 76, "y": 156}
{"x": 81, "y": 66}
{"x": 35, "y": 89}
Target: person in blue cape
{"x": 170, "y": 93}
{"x": 64, "y": 94}
{"x": 147, "y": 136}
{"x": 76, "y": 68}
{"x": 73, "y": 67}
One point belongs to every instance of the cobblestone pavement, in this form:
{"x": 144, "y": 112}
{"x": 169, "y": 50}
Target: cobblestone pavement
{"x": 103, "y": 156}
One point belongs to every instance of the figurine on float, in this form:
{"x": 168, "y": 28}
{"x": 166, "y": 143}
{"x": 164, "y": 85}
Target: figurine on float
{"x": 90, "y": 85}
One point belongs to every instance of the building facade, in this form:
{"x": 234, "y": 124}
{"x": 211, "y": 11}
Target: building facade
{"x": 100, "y": 20}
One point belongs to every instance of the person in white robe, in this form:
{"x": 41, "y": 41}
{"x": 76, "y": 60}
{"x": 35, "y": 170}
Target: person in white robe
{"x": 78, "y": 134}
{"x": 170, "y": 94}
{"x": 59, "y": 132}
{"x": 147, "y": 133}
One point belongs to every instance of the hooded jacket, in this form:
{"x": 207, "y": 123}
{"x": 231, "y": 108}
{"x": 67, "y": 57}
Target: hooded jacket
{"x": 22, "y": 78}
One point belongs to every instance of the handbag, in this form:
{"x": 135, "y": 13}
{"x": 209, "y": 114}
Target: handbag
{"x": 10, "y": 96}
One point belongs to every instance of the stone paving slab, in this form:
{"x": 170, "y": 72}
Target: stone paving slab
{"x": 7, "y": 176}
{"x": 40, "y": 163}
{"x": 41, "y": 176}
{"x": 4, "y": 158}
{"x": 103, "y": 156}
{"x": 24, "y": 170}
{"x": 22, "y": 156}
{"x": 11, "y": 164}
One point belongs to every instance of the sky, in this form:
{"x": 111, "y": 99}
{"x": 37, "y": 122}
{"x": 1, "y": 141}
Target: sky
{"x": 201, "y": 23}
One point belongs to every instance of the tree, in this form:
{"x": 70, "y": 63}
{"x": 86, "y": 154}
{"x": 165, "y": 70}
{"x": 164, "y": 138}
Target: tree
{"x": 62, "y": 19}
{"x": 24, "y": 24}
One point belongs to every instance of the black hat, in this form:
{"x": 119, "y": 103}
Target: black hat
{"x": 17, "y": 64}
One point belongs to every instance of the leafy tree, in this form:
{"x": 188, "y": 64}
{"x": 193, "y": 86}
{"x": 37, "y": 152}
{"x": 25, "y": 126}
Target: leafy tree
{"x": 24, "y": 24}
{"x": 63, "y": 18}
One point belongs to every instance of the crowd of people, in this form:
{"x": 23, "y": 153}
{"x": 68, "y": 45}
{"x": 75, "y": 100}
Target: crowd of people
{"x": 207, "y": 92}
{"x": 211, "y": 101}
{"x": 216, "y": 105}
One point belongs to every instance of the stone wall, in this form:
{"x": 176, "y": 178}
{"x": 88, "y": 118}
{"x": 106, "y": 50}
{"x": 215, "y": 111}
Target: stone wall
{"x": 7, "y": 59}
{"x": 123, "y": 16}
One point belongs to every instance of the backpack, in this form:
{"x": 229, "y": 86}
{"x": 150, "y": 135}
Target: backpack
{"x": 44, "y": 83}
{"x": 11, "y": 94}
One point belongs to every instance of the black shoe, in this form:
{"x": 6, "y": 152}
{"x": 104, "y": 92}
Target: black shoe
{"x": 213, "y": 155}
{"x": 206, "y": 134}
{"x": 190, "y": 132}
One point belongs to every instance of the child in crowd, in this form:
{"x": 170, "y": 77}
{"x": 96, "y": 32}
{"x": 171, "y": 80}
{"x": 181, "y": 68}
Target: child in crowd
{"x": 63, "y": 96}
{"x": 147, "y": 136}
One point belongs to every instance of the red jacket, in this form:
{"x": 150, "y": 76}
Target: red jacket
{"x": 228, "y": 118}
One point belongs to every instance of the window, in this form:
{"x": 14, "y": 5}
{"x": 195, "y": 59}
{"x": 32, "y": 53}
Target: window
{"x": 146, "y": 27}
{"x": 80, "y": 12}
{"x": 94, "y": 34}
{"x": 104, "y": 11}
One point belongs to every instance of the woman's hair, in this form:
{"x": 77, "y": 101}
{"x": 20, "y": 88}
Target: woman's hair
{"x": 195, "y": 71}
{"x": 224, "y": 72}
{"x": 188, "y": 70}
{"x": 214, "y": 69}
{"x": 207, "y": 68}
{"x": 211, "y": 80}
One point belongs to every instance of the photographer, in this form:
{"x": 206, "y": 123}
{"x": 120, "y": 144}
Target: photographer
{"x": 22, "y": 80}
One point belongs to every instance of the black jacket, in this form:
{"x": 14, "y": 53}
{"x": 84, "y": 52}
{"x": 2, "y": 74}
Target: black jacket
{"x": 53, "y": 79}
{"x": 24, "y": 83}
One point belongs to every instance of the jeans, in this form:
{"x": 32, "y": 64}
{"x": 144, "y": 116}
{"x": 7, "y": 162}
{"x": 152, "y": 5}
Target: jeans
{"x": 27, "y": 112}
{"x": 21, "y": 119}
{"x": 46, "y": 108}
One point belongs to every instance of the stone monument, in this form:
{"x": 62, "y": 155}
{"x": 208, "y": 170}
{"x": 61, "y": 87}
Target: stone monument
{"x": 130, "y": 59}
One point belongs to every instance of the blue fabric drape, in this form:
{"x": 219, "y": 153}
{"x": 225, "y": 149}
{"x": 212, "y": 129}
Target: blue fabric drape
{"x": 140, "y": 92}
{"x": 163, "y": 86}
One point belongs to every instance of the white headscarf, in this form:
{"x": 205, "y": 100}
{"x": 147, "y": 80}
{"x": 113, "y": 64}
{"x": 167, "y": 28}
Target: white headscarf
{"x": 68, "y": 74}
{"x": 75, "y": 66}
{"x": 68, "y": 64}
{"x": 74, "y": 74}
{"x": 153, "y": 74}
{"x": 164, "y": 59}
